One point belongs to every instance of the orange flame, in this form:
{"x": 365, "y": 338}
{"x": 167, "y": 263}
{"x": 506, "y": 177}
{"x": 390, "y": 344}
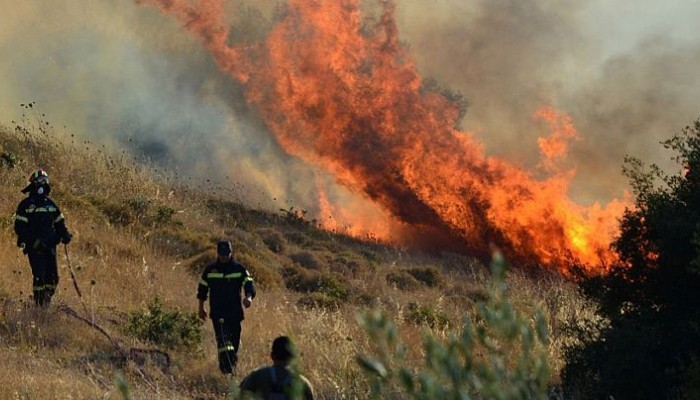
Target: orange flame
{"x": 340, "y": 91}
{"x": 556, "y": 146}
{"x": 353, "y": 219}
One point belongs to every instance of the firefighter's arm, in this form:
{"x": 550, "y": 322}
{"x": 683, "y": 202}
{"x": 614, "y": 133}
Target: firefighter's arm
{"x": 21, "y": 227}
{"x": 202, "y": 312}
{"x": 249, "y": 290}
{"x": 59, "y": 224}
{"x": 202, "y": 294}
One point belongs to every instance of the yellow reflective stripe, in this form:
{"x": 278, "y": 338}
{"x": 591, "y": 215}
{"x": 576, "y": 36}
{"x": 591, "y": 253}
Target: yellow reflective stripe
{"x": 21, "y": 218}
{"x": 59, "y": 218}
{"x": 203, "y": 282}
{"x": 248, "y": 279}
{"x": 226, "y": 348}
{"x": 234, "y": 275}
{"x": 49, "y": 286}
{"x": 41, "y": 209}
{"x": 38, "y": 288}
{"x": 215, "y": 275}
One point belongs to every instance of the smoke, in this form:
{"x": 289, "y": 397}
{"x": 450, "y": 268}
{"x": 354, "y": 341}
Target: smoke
{"x": 124, "y": 74}
{"x": 626, "y": 73}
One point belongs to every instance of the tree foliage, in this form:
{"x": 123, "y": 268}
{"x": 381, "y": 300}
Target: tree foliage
{"x": 651, "y": 300}
{"x": 500, "y": 354}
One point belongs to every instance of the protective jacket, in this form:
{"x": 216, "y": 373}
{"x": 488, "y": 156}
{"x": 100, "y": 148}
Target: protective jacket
{"x": 39, "y": 224}
{"x": 223, "y": 284}
{"x": 278, "y": 382}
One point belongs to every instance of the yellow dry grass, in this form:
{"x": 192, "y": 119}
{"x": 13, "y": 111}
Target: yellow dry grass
{"x": 121, "y": 265}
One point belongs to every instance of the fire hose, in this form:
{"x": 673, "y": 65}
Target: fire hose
{"x": 75, "y": 281}
{"x": 135, "y": 354}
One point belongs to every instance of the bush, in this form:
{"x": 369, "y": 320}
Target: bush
{"x": 263, "y": 276}
{"x": 305, "y": 281}
{"x": 402, "y": 280}
{"x": 164, "y": 215}
{"x": 169, "y": 329}
{"x": 315, "y": 301}
{"x": 503, "y": 357}
{"x": 274, "y": 241}
{"x": 8, "y": 159}
{"x": 179, "y": 242}
{"x": 429, "y": 276}
{"x": 299, "y": 239}
{"x": 198, "y": 262}
{"x": 650, "y": 300}
{"x": 138, "y": 206}
{"x": 308, "y": 260}
{"x": 421, "y": 315}
{"x": 117, "y": 214}
{"x": 348, "y": 266}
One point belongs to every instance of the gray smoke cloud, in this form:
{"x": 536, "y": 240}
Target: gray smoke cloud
{"x": 126, "y": 75}
{"x": 626, "y": 72}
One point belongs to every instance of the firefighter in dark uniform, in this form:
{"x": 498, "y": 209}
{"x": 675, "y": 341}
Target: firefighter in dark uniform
{"x": 278, "y": 381}
{"x": 40, "y": 227}
{"x": 223, "y": 282}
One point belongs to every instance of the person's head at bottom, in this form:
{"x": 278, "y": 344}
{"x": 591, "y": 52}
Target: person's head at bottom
{"x": 283, "y": 350}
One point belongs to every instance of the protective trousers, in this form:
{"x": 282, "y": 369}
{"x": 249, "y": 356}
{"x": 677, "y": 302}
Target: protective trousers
{"x": 228, "y": 336}
{"x": 45, "y": 272}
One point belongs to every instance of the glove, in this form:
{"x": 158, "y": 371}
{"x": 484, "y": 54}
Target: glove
{"x": 23, "y": 246}
{"x": 67, "y": 238}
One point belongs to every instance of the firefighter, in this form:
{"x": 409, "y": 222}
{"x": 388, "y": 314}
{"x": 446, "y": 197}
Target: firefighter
{"x": 278, "y": 380}
{"x": 223, "y": 281}
{"x": 40, "y": 227}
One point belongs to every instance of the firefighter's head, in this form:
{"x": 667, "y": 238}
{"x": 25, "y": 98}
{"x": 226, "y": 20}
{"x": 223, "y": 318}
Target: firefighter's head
{"x": 38, "y": 183}
{"x": 224, "y": 251}
{"x": 283, "y": 350}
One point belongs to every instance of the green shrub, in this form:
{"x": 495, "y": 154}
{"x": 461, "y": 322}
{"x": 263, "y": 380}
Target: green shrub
{"x": 308, "y": 260}
{"x": 332, "y": 287}
{"x": 319, "y": 301}
{"x": 139, "y": 206}
{"x": 164, "y": 215}
{"x": 198, "y": 262}
{"x": 305, "y": 281}
{"x": 263, "y": 276}
{"x": 299, "y": 239}
{"x": 402, "y": 280}
{"x": 349, "y": 266}
{"x": 502, "y": 357}
{"x": 117, "y": 213}
{"x": 8, "y": 159}
{"x": 370, "y": 256}
{"x": 430, "y": 276}
{"x": 274, "y": 241}
{"x": 649, "y": 344}
{"x": 421, "y": 315}
{"x": 169, "y": 329}
{"x": 179, "y": 242}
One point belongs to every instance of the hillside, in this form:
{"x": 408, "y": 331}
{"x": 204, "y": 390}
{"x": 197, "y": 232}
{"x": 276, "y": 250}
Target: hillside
{"x": 142, "y": 235}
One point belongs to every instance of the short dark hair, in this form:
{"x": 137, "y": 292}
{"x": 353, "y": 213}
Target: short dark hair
{"x": 283, "y": 349}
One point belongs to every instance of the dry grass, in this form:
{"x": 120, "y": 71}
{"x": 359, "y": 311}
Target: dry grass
{"x": 163, "y": 236}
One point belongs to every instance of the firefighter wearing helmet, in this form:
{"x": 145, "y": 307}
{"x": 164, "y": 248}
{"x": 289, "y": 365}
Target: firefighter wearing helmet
{"x": 40, "y": 227}
{"x": 224, "y": 282}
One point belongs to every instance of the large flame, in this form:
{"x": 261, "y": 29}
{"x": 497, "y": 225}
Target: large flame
{"x": 340, "y": 91}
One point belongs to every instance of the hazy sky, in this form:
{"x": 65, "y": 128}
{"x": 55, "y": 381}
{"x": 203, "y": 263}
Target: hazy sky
{"x": 626, "y": 71}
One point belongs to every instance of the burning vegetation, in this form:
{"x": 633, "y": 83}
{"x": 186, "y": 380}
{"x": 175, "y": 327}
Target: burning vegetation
{"x": 339, "y": 90}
